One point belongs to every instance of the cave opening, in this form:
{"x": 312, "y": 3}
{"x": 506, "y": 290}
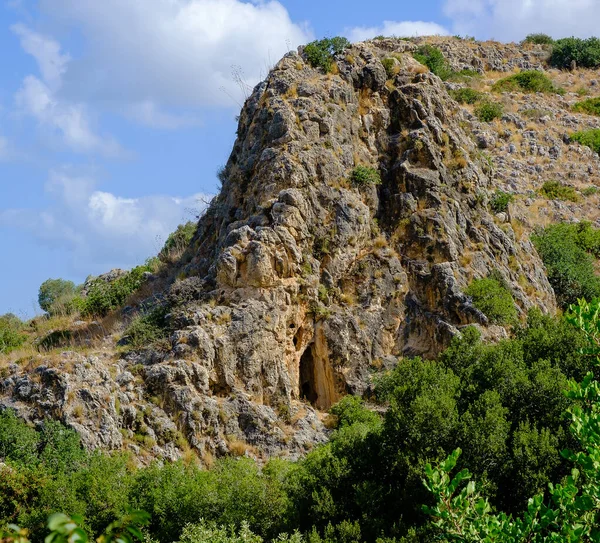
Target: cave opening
{"x": 308, "y": 388}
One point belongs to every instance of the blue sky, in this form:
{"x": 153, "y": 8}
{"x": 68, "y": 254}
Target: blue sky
{"x": 115, "y": 115}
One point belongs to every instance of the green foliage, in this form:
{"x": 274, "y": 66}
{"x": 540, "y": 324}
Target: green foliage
{"x": 591, "y": 106}
{"x": 500, "y": 201}
{"x": 320, "y": 53}
{"x": 589, "y": 138}
{"x": 486, "y": 111}
{"x": 389, "y": 64}
{"x": 585, "y": 52}
{"x": 590, "y": 191}
{"x": 526, "y": 81}
{"x": 148, "y": 329}
{"x": 11, "y": 333}
{"x": 351, "y": 410}
{"x": 104, "y": 296}
{"x": 534, "y": 113}
{"x": 493, "y": 299}
{"x": 65, "y": 529}
{"x": 177, "y": 242}
{"x": 500, "y": 403}
{"x": 209, "y": 532}
{"x": 461, "y": 513}
{"x": 434, "y": 59}
{"x": 365, "y": 175}
{"x": 565, "y": 250}
{"x": 466, "y": 95}
{"x": 539, "y": 39}
{"x": 56, "y": 296}
{"x": 555, "y": 190}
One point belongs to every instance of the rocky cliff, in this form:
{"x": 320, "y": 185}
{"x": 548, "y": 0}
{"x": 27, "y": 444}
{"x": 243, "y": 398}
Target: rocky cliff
{"x": 305, "y": 279}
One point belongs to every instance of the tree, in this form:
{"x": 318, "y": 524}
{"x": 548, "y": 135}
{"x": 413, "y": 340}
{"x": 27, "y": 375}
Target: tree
{"x": 55, "y": 294}
{"x": 571, "y": 511}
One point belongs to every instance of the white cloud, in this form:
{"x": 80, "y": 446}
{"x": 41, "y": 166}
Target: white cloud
{"x": 46, "y": 51}
{"x": 396, "y": 28}
{"x": 172, "y": 53}
{"x": 40, "y": 100}
{"x": 149, "y": 114}
{"x": 100, "y": 229}
{"x": 514, "y": 19}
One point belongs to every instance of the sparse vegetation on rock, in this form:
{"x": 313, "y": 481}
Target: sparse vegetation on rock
{"x": 589, "y": 138}
{"x": 487, "y": 111}
{"x": 320, "y": 53}
{"x": 527, "y": 81}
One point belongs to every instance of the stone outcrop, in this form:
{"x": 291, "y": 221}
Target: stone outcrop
{"x": 301, "y": 284}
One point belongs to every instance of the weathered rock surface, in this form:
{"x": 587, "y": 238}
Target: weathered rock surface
{"x": 300, "y": 284}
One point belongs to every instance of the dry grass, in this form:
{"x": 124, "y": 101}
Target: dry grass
{"x": 292, "y": 92}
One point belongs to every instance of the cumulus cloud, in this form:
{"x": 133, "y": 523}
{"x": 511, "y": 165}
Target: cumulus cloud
{"x": 46, "y": 51}
{"x": 172, "y": 53}
{"x": 71, "y": 121}
{"x": 396, "y": 28}
{"x": 39, "y": 98}
{"x": 100, "y": 229}
{"x": 514, "y": 19}
{"x": 149, "y": 114}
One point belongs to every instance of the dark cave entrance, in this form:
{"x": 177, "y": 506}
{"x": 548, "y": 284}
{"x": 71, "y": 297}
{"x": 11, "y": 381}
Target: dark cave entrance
{"x": 308, "y": 389}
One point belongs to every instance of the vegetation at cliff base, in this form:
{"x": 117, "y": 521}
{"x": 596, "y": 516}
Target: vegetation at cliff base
{"x": 568, "y": 251}
{"x": 491, "y": 296}
{"x": 565, "y": 512}
{"x": 501, "y": 404}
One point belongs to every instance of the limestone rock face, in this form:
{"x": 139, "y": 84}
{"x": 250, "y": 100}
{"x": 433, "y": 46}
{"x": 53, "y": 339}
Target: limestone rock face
{"x": 301, "y": 284}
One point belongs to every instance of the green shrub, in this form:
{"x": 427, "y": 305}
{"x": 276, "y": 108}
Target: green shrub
{"x": 11, "y": 333}
{"x": 527, "y": 81}
{"x": 177, "y": 242}
{"x": 566, "y": 250}
{"x": 590, "y": 191}
{"x": 500, "y": 201}
{"x": 320, "y": 53}
{"x": 534, "y": 113}
{"x": 585, "y": 52}
{"x": 466, "y": 95}
{"x": 148, "y": 329}
{"x": 590, "y": 106}
{"x": 434, "y": 59}
{"x": 390, "y": 67}
{"x": 493, "y": 299}
{"x": 589, "y": 138}
{"x": 56, "y": 296}
{"x": 104, "y": 296}
{"x": 487, "y": 111}
{"x": 555, "y": 190}
{"x": 365, "y": 175}
{"x": 210, "y": 532}
{"x": 539, "y": 39}
{"x": 570, "y": 511}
